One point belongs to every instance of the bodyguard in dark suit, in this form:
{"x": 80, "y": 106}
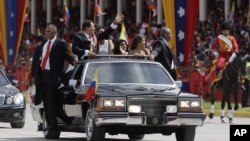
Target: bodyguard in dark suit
{"x": 163, "y": 54}
{"x": 83, "y": 41}
{"x": 47, "y": 70}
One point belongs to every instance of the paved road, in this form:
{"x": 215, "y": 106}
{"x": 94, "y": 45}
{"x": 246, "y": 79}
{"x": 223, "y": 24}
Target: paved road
{"x": 212, "y": 130}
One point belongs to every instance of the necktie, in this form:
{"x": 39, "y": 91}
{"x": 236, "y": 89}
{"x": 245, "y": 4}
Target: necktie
{"x": 45, "y": 58}
{"x": 92, "y": 44}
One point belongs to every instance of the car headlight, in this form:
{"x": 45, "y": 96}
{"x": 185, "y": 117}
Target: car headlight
{"x": 119, "y": 103}
{"x": 110, "y": 104}
{"x": 171, "y": 108}
{"x": 18, "y": 99}
{"x": 9, "y": 100}
{"x": 195, "y": 104}
{"x": 184, "y": 104}
{"x": 134, "y": 108}
{"x": 191, "y": 105}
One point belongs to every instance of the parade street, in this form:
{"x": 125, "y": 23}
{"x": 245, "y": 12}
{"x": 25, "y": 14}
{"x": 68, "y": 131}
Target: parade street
{"x": 212, "y": 130}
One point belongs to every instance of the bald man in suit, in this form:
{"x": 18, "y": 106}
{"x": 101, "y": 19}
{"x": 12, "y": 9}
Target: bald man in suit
{"x": 162, "y": 53}
{"x": 47, "y": 71}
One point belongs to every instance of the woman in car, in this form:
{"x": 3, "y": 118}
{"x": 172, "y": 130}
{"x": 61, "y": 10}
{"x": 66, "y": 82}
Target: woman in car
{"x": 138, "y": 46}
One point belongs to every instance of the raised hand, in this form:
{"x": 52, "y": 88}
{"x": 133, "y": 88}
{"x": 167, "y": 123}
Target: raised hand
{"x": 118, "y": 19}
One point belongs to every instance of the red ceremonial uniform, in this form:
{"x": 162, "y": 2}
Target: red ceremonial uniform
{"x": 224, "y": 50}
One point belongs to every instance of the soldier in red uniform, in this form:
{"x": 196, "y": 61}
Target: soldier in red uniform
{"x": 226, "y": 45}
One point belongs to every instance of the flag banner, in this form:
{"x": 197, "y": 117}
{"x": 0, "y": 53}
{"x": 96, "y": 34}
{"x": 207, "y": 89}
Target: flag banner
{"x": 190, "y": 21}
{"x": 3, "y": 39}
{"x": 180, "y": 17}
{"x": 123, "y": 34}
{"x": 12, "y": 14}
{"x": 180, "y": 6}
{"x": 11, "y": 7}
{"x": 169, "y": 12}
{"x": 21, "y": 10}
{"x": 98, "y": 10}
{"x": 66, "y": 16}
{"x": 152, "y": 6}
{"x": 91, "y": 92}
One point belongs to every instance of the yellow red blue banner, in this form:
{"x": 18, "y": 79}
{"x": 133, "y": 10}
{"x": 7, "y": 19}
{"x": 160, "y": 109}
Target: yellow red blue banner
{"x": 180, "y": 17}
{"x": 12, "y": 13}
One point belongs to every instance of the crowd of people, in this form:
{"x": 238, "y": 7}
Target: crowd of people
{"x": 147, "y": 33}
{"x": 42, "y": 59}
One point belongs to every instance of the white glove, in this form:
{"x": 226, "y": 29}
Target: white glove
{"x": 232, "y": 57}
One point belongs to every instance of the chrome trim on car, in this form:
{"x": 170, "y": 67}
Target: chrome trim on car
{"x": 195, "y": 119}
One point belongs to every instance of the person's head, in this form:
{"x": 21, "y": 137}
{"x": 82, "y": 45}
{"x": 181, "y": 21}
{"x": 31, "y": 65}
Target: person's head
{"x": 138, "y": 42}
{"x": 166, "y": 33}
{"x": 100, "y": 30}
{"x": 88, "y": 27}
{"x": 121, "y": 46}
{"x": 225, "y": 28}
{"x": 51, "y": 31}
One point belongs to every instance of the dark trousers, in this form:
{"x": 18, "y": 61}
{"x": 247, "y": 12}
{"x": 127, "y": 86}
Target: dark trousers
{"x": 49, "y": 96}
{"x": 245, "y": 94}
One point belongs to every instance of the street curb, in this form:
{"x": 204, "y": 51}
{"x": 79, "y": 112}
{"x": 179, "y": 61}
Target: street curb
{"x": 236, "y": 114}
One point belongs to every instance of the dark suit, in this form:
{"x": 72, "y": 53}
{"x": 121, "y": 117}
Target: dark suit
{"x": 82, "y": 43}
{"x": 164, "y": 56}
{"x": 49, "y": 80}
{"x": 36, "y": 73}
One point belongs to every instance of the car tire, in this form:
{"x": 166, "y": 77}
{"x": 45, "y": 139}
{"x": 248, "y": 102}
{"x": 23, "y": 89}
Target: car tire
{"x": 185, "y": 133}
{"x": 93, "y": 133}
{"x": 136, "y": 136}
{"x": 49, "y": 134}
{"x": 17, "y": 125}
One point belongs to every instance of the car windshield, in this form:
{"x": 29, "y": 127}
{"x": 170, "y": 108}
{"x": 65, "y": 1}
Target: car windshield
{"x": 3, "y": 80}
{"x": 128, "y": 72}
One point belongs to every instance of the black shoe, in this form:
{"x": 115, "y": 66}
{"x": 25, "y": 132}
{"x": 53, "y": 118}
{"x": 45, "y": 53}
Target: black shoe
{"x": 40, "y": 127}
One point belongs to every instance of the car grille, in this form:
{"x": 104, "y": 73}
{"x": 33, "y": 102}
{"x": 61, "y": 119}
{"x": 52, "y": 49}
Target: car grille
{"x": 152, "y": 105}
{"x": 2, "y": 98}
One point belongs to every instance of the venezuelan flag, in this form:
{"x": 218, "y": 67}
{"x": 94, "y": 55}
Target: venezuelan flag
{"x": 66, "y": 15}
{"x": 180, "y": 17}
{"x": 91, "y": 92}
{"x": 12, "y": 14}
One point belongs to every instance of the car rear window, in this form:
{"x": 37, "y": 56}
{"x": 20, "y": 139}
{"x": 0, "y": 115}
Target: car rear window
{"x": 128, "y": 72}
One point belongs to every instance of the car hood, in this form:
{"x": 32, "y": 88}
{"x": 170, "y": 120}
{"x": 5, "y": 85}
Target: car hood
{"x": 120, "y": 90}
{"x": 8, "y": 89}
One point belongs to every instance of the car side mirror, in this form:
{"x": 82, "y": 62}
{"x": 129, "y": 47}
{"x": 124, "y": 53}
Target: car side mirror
{"x": 178, "y": 83}
{"x": 15, "y": 82}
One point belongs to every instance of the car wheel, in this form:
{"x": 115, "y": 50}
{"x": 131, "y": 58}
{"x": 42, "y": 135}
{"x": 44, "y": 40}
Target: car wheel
{"x": 17, "y": 125}
{"x": 93, "y": 133}
{"x": 185, "y": 133}
{"x": 49, "y": 134}
{"x": 136, "y": 136}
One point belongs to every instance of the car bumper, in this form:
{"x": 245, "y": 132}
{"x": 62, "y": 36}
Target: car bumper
{"x": 12, "y": 114}
{"x": 108, "y": 118}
